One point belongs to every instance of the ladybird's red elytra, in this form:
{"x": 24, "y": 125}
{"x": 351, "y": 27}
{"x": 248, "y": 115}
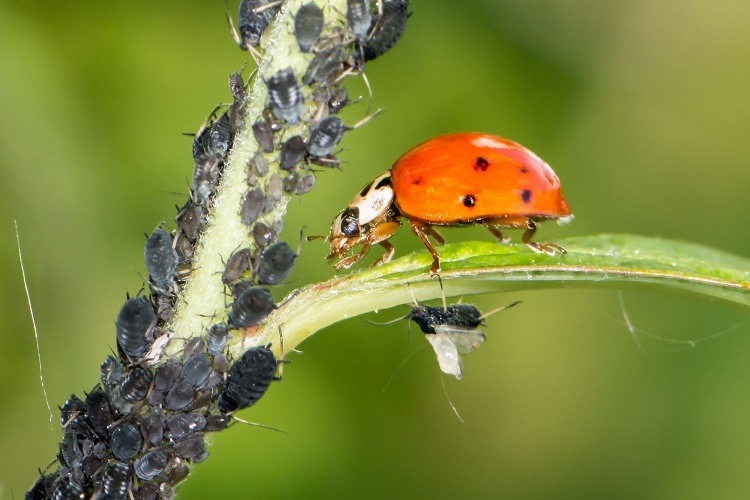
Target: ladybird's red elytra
{"x": 452, "y": 180}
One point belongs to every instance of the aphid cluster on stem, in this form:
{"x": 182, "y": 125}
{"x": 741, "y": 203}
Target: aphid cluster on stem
{"x": 137, "y": 432}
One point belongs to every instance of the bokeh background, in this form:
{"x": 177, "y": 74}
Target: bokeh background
{"x": 643, "y": 109}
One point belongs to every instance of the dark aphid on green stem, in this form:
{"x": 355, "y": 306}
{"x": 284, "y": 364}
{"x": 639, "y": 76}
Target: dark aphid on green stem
{"x": 293, "y": 151}
{"x": 263, "y": 132}
{"x": 72, "y": 408}
{"x": 326, "y": 66}
{"x": 457, "y": 315}
{"x": 304, "y": 184}
{"x": 115, "y": 482}
{"x": 248, "y": 379}
{"x": 135, "y": 327}
{"x": 253, "y": 18}
{"x": 252, "y": 206}
{"x": 285, "y": 96}
{"x": 167, "y": 374}
{"x": 99, "y": 411}
{"x": 133, "y": 389}
{"x": 67, "y": 487}
{"x": 112, "y": 372}
{"x": 216, "y": 422}
{"x": 192, "y": 447}
{"x": 210, "y": 149}
{"x": 308, "y": 24}
{"x": 387, "y": 28}
{"x": 275, "y": 264}
{"x": 196, "y": 369}
{"x": 216, "y": 339}
{"x": 238, "y": 262}
{"x": 181, "y": 425}
{"x": 191, "y": 219}
{"x": 258, "y": 165}
{"x": 179, "y": 396}
{"x": 338, "y": 99}
{"x": 251, "y": 307}
{"x": 161, "y": 260}
{"x": 263, "y": 234}
{"x": 150, "y": 465}
{"x": 325, "y": 135}
{"x": 125, "y": 441}
{"x": 236, "y": 112}
{"x": 152, "y": 425}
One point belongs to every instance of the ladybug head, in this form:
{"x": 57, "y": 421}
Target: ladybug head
{"x": 345, "y": 232}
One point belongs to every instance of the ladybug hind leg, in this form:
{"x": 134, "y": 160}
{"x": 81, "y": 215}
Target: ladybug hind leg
{"x": 422, "y": 230}
{"x": 548, "y": 248}
{"x": 495, "y": 230}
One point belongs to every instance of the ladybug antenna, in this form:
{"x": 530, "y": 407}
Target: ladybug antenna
{"x": 488, "y": 314}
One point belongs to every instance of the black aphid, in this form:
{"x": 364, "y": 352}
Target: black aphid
{"x": 192, "y": 447}
{"x": 236, "y": 110}
{"x": 251, "y": 307}
{"x": 167, "y": 375}
{"x": 248, "y": 379}
{"x": 326, "y": 66}
{"x": 304, "y": 184}
{"x": 99, "y": 411}
{"x": 252, "y": 206}
{"x": 115, "y": 482}
{"x": 456, "y": 315}
{"x": 125, "y": 441}
{"x": 338, "y": 99}
{"x": 253, "y": 18}
{"x": 190, "y": 219}
{"x": 152, "y": 425}
{"x": 181, "y": 425}
{"x": 326, "y": 135}
{"x": 135, "y": 327}
{"x": 161, "y": 260}
{"x": 237, "y": 264}
{"x": 217, "y": 338}
{"x": 258, "y": 165}
{"x": 196, "y": 369}
{"x": 276, "y": 263}
{"x": 263, "y": 132}
{"x": 179, "y": 396}
{"x": 73, "y": 407}
{"x": 308, "y": 24}
{"x": 263, "y": 234}
{"x": 292, "y": 152}
{"x": 111, "y": 372}
{"x": 387, "y": 29}
{"x": 285, "y": 96}
{"x": 134, "y": 388}
{"x": 216, "y": 422}
{"x": 150, "y": 465}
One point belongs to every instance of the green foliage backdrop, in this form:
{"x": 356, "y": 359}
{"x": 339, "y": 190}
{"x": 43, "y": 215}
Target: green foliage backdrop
{"x": 641, "y": 108}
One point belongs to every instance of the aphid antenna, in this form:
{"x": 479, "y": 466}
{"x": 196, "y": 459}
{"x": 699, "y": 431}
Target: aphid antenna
{"x": 366, "y": 119}
{"x": 33, "y": 323}
{"x": 207, "y": 122}
{"x": 498, "y": 309}
{"x": 255, "y": 424}
{"x": 453, "y": 407}
{"x": 364, "y": 79}
{"x": 442, "y": 293}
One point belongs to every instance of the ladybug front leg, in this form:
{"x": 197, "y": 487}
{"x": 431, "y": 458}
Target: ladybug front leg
{"x": 387, "y": 256}
{"x": 350, "y": 261}
{"x": 421, "y": 230}
{"x": 548, "y": 248}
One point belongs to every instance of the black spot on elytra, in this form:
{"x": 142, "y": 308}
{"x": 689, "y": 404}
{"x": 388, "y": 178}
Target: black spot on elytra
{"x": 417, "y": 181}
{"x": 523, "y": 169}
{"x": 526, "y": 195}
{"x": 481, "y": 163}
{"x": 470, "y": 200}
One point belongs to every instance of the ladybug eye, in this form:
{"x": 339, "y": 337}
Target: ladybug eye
{"x": 350, "y": 223}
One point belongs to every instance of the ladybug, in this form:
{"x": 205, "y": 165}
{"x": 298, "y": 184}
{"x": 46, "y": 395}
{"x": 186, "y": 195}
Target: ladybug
{"x": 452, "y": 180}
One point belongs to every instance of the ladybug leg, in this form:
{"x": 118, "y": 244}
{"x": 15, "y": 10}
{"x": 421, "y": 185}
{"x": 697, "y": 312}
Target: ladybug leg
{"x": 350, "y": 261}
{"x": 421, "y": 230}
{"x": 496, "y": 233}
{"x": 388, "y": 255}
{"x": 435, "y": 235}
{"x": 548, "y": 248}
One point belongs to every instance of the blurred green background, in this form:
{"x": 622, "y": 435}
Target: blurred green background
{"x": 642, "y": 108}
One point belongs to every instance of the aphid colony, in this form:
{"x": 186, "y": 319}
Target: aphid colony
{"x": 135, "y": 434}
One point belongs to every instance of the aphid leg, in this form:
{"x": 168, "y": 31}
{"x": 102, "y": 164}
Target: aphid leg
{"x": 548, "y": 248}
{"x": 421, "y": 230}
{"x": 498, "y": 309}
{"x": 232, "y": 27}
{"x": 496, "y": 232}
